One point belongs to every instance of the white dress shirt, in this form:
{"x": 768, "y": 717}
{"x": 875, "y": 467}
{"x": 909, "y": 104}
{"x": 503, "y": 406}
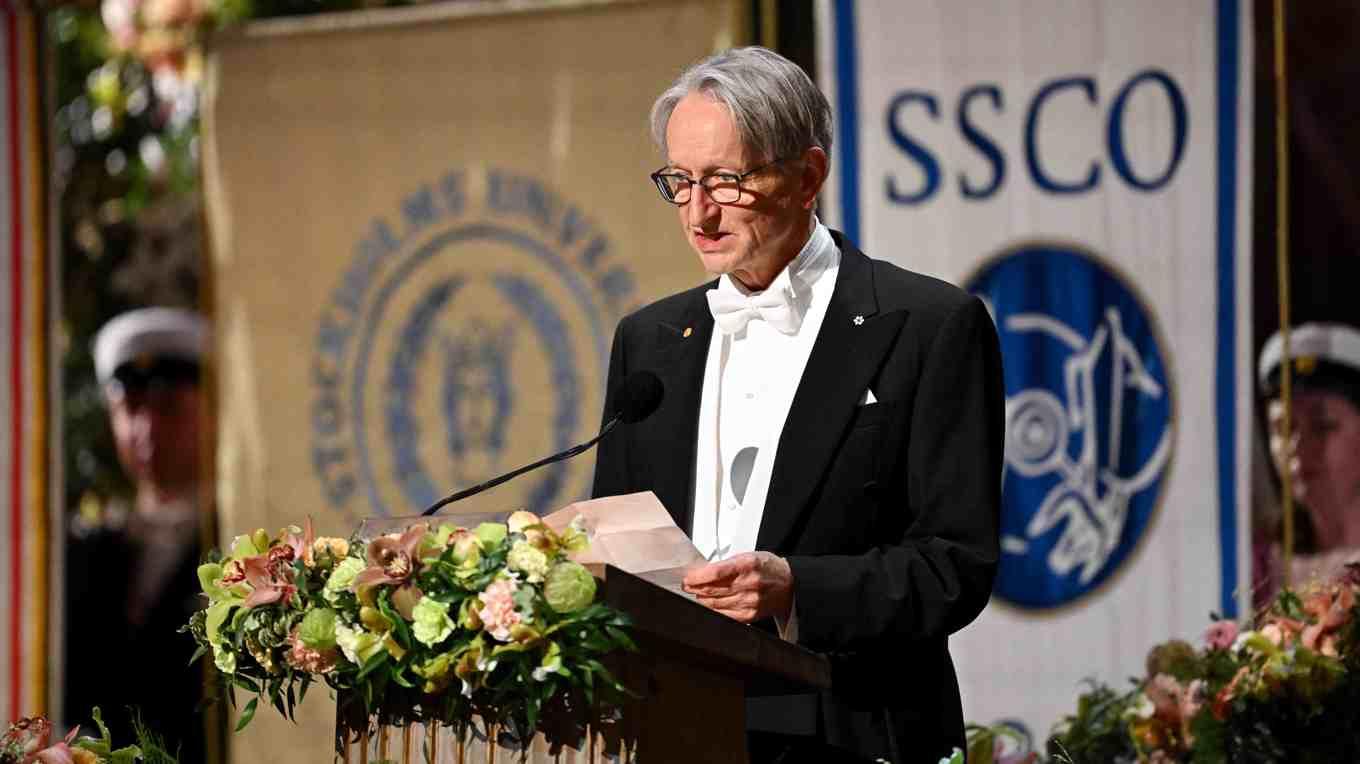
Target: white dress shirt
{"x": 749, "y": 383}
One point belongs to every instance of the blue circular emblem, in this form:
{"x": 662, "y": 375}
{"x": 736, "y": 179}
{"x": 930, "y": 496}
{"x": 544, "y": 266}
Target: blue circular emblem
{"x": 1088, "y": 421}
{"x": 468, "y": 337}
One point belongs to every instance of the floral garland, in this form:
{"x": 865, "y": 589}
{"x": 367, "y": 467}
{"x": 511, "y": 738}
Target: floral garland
{"x": 29, "y": 741}
{"x": 1286, "y": 689}
{"x": 438, "y": 623}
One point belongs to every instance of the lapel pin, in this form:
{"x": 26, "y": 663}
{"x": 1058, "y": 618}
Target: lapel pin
{"x": 688, "y": 331}
{"x": 859, "y": 320}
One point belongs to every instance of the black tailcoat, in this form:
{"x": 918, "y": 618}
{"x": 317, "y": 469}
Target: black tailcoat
{"x": 887, "y": 513}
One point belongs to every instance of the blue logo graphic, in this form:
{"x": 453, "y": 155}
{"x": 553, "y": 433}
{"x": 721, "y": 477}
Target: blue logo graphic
{"x": 1088, "y": 421}
{"x": 464, "y": 340}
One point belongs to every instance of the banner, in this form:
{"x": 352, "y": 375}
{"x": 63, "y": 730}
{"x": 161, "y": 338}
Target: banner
{"x": 23, "y": 374}
{"x": 1082, "y": 167}
{"x": 425, "y": 225}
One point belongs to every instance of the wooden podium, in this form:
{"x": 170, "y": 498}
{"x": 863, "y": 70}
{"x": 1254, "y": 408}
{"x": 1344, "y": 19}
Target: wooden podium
{"x": 692, "y": 673}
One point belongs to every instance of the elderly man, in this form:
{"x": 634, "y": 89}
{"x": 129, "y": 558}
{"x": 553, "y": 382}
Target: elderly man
{"x": 831, "y": 434}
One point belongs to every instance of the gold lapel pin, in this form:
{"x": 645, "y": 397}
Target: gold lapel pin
{"x": 688, "y": 331}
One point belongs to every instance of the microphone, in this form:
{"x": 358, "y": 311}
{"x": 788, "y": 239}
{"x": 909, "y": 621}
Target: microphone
{"x": 635, "y": 400}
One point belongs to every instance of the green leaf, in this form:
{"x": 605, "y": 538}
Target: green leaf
{"x": 247, "y": 714}
{"x": 374, "y": 662}
{"x": 621, "y": 637}
{"x": 126, "y": 755}
{"x": 104, "y": 735}
{"x": 399, "y": 678}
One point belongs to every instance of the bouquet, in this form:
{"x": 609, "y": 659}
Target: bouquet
{"x": 1285, "y": 689}
{"x": 439, "y": 623}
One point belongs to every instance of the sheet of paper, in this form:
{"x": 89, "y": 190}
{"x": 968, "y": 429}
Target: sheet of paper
{"x": 634, "y": 533}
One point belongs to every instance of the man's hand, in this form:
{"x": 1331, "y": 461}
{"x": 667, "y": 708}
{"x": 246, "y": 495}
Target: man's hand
{"x": 747, "y": 587}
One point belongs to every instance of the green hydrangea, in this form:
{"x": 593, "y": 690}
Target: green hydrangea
{"x": 341, "y": 578}
{"x": 527, "y": 559}
{"x": 432, "y": 622}
{"x": 491, "y": 534}
{"x": 317, "y": 630}
{"x": 569, "y": 587}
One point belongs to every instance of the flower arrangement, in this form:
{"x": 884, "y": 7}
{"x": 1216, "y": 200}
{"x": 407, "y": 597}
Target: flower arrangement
{"x": 997, "y": 744}
{"x": 29, "y": 741}
{"x": 438, "y": 623}
{"x": 1286, "y": 689}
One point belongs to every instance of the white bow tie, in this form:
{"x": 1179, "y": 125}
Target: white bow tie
{"x": 732, "y": 311}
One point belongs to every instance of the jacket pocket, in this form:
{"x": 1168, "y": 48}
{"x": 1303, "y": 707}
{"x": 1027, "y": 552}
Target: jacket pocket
{"x": 870, "y": 414}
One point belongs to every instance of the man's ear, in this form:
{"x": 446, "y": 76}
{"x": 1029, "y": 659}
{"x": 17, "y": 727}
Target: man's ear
{"x": 816, "y": 165}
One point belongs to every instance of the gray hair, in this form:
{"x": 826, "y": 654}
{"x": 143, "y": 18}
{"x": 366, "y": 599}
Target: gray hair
{"x": 778, "y": 111}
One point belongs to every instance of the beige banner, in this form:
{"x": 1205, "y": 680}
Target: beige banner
{"x": 425, "y": 225}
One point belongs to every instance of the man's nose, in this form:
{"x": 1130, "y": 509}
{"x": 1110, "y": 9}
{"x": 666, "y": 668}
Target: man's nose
{"x": 700, "y": 209}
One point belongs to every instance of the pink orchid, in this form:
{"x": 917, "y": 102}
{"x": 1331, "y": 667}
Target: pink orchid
{"x": 1221, "y": 635}
{"x": 392, "y": 559}
{"x": 302, "y": 545}
{"x": 61, "y": 753}
{"x": 270, "y": 578}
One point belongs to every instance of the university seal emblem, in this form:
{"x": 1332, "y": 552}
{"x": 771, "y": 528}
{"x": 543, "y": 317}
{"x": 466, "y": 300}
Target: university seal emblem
{"x": 468, "y": 335}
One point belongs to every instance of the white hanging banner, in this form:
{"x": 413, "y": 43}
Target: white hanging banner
{"x": 1082, "y": 167}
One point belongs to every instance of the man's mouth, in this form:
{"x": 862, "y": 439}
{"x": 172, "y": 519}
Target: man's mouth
{"x": 707, "y": 241}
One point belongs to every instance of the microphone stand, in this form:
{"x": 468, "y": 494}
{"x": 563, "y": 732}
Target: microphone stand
{"x": 492, "y": 483}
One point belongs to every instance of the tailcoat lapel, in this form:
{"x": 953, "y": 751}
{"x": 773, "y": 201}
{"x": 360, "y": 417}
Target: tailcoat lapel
{"x": 680, "y": 365}
{"x": 844, "y": 360}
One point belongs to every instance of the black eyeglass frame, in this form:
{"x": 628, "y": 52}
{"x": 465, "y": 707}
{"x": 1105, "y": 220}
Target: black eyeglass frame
{"x": 660, "y": 175}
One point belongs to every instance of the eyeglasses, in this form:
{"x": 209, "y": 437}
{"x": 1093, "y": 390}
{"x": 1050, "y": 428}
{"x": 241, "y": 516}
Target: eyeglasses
{"x": 721, "y": 187}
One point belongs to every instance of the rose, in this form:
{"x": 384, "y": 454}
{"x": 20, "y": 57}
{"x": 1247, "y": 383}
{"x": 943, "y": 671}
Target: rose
{"x": 432, "y": 622}
{"x": 521, "y": 520}
{"x": 357, "y": 645}
{"x": 1220, "y": 635}
{"x": 341, "y": 578}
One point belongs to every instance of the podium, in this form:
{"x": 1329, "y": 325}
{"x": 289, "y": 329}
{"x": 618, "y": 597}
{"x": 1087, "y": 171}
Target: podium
{"x": 692, "y": 673}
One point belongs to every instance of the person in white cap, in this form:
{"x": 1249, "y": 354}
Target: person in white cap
{"x": 131, "y": 579}
{"x": 1322, "y": 453}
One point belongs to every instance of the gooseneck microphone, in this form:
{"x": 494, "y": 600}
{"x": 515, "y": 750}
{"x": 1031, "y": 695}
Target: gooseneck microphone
{"x": 635, "y": 400}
